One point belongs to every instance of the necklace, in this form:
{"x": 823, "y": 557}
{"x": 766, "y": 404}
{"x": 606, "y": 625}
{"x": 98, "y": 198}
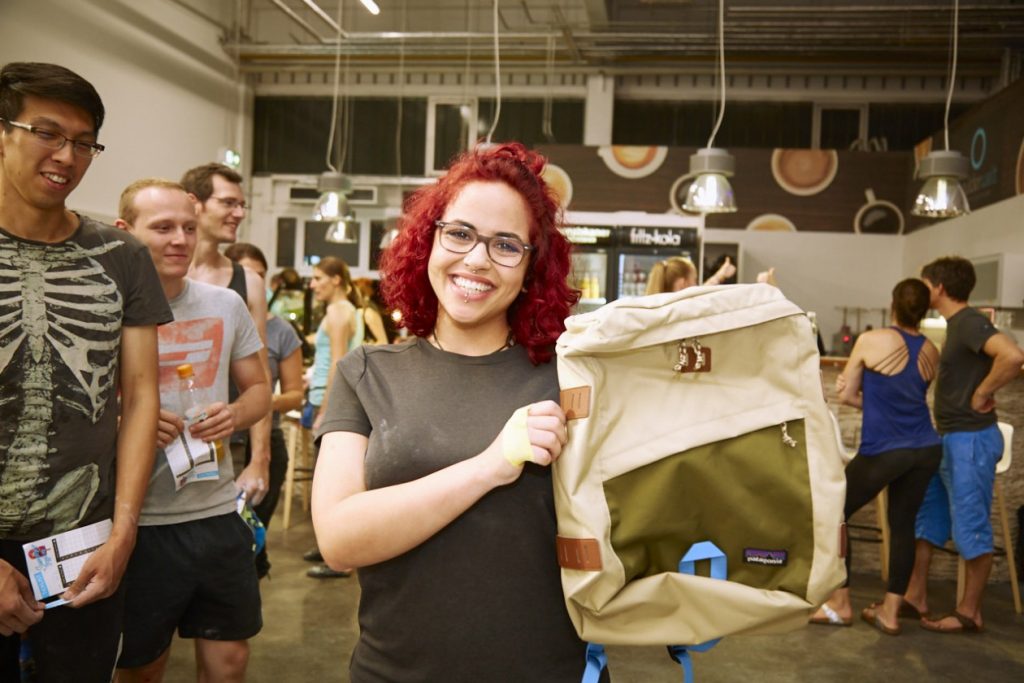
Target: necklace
{"x": 509, "y": 343}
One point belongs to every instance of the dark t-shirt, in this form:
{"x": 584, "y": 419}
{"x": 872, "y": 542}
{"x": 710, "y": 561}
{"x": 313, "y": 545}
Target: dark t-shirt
{"x": 481, "y": 600}
{"x": 962, "y": 366}
{"x": 62, "y": 307}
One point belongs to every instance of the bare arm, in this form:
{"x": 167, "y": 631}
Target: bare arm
{"x": 356, "y": 527}
{"x": 259, "y": 433}
{"x": 849, "y": 380}
{"x": 1007, "y": 359}
{"x": 252, "y": 406}
{"x": 726, "y": 271}
{"x": 136, "y": 449}
{"x": 339, "y": 323}
{"x": 292, "y": 394}
{"x": 375, "y": 324}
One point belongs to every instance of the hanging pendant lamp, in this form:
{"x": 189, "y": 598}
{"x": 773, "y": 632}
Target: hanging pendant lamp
{"x": 333, "y": 186}
{"x": 942, "y": 195}
{"x": 711, "y": 167}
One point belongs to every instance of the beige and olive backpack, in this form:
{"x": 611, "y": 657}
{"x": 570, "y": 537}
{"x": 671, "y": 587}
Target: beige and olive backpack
{"x": 700, "y": 449}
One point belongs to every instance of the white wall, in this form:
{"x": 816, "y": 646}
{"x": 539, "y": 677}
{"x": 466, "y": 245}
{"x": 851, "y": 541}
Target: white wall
{"x": 822, "y": 272}
{"x": 168, "y": 87}
{"x": 995, "y": 229}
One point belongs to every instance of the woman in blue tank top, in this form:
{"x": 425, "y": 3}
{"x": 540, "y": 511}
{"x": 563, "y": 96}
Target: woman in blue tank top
{"x": 887, "y": 376}
{"x": 340, "y": 331}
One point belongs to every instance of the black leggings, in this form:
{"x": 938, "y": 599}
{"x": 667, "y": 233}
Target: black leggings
{"x": 906, "y": 471}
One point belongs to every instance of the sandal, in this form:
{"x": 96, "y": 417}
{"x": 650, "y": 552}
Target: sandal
{"x": 871, "y": 617}
{"x": 908, "y": 611}
{"x": 831, "y": 618}
{"x": 967, "y": 625}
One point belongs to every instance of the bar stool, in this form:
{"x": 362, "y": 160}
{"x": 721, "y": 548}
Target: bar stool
{"x": 300, "y": 463}
{"x": 881, "y": 508}
{"x": 1007, "y": 550}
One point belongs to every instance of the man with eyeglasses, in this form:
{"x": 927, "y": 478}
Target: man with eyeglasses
{"x": 216, "y": 190}
{"x": 79, "y": 306}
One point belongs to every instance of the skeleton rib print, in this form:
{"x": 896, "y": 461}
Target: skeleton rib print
{"x": 60, "y": 325}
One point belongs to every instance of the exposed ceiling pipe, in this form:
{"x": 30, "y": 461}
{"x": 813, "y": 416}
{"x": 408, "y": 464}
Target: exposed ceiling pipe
{"x": 298, "y": 20}
{"x": 328, "y": 19}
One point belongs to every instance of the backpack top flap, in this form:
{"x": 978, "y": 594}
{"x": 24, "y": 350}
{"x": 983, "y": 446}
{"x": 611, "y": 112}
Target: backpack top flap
{"x": 743, "y": 455}
{"x": 635, "y": 323}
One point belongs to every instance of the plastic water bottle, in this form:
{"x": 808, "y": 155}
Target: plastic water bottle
{"x": 193, "y": 402}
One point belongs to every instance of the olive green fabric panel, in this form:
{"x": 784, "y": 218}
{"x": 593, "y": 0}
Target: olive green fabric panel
{"x": 751, "y": 492}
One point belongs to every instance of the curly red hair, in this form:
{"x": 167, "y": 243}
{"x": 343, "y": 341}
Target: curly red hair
{"x": 538, "y": 315}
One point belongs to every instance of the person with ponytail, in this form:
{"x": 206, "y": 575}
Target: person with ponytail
{"x": 678, "y": 272}
{"x": 434, "y": 474}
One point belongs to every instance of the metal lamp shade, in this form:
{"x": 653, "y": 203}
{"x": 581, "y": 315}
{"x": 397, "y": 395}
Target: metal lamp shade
{"x": 942, "y": 195}
{"x": 710, "y": 192}
{"x": 345, "y": 231}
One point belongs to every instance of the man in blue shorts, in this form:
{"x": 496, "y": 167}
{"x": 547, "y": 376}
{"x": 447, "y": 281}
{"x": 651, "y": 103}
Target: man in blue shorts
{"x": 192, "y": 569}
{"x": 976, "y": 361}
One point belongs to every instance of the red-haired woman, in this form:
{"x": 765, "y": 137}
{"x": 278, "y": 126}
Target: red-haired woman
{"x": 418, "y": 482}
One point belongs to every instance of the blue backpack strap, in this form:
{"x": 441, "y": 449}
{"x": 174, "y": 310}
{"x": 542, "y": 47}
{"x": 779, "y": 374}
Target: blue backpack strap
{"x": 705, "y": 550}
{"x": 597, "y": 660}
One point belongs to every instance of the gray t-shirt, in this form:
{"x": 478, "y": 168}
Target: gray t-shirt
{"x": 282, "y": 341}
{"x": 63, "y": 307}
{"x": 481, "y": 600}
{"x": 963, "y": 364}
{"x": 211, "y": 328}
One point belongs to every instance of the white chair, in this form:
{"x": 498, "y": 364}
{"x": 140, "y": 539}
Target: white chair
{"x": 300, "y": 464}
{"x": 881, "y": 506}
{"x": 1002, "y": 466}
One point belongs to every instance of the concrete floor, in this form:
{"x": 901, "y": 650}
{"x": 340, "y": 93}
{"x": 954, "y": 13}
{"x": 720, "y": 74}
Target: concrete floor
{"x": 310, "y": 628}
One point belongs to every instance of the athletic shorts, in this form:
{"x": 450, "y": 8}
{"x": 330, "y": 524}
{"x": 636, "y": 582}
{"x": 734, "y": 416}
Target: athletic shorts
{"x": 958, "y": 502}
{"x": 197, "y": 577}
{"x": 70, "y": 644}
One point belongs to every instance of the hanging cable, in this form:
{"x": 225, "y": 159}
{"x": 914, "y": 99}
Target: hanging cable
{"x": 334, "y": 99}
{"x": 401, "y": 96}
{"x": 546, "y": 127}
{"x": 721, "y": 71}
{"x": 952, "y": 70}
{"x": 497, "y": 77}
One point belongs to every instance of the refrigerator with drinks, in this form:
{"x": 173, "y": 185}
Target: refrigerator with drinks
{"x": 642, "y": 247}
{"x": 613, "y": 253}
{"x": 591, "y": 263}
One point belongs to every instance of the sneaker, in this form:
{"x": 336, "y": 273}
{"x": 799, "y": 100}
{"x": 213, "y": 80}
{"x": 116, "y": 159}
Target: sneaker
{"x": 313, "y": 555}
{"x": 324, "y": 572}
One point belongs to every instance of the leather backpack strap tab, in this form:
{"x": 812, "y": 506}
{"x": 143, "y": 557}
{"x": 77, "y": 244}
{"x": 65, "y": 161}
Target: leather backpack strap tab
{"x": 579, "y": 553}
{"x": 575, "y": 402}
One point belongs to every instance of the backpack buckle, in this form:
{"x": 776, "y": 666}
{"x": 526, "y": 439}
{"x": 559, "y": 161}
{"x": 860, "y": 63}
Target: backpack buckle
{"x": 693, "y": 357}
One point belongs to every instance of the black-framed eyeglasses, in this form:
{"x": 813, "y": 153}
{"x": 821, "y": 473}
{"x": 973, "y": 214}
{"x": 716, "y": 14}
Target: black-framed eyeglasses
{"x": 504, "y": 250}
{"x": 230, "y": 203}
{"x": 51, "y": 139}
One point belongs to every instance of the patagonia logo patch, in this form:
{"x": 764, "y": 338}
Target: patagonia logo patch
{"x": 770, "y": 558}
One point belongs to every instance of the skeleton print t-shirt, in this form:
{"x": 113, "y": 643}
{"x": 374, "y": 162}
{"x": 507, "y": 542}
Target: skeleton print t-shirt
{"x": 62, "y": 307}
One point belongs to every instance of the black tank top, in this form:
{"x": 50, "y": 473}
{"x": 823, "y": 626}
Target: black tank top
{"x": 237, "y": 282}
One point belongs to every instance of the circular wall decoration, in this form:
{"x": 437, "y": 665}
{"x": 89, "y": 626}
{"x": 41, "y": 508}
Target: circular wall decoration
{"x": 771, "y": 222}
{"x": 878, "y": 217}
{"x": 559, "y": 182}
{"x": 804, "y": 172}
{"x": 630, "y": 161}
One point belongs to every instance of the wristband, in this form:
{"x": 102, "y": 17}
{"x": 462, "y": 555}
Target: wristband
{"x": 515, "y": 438}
